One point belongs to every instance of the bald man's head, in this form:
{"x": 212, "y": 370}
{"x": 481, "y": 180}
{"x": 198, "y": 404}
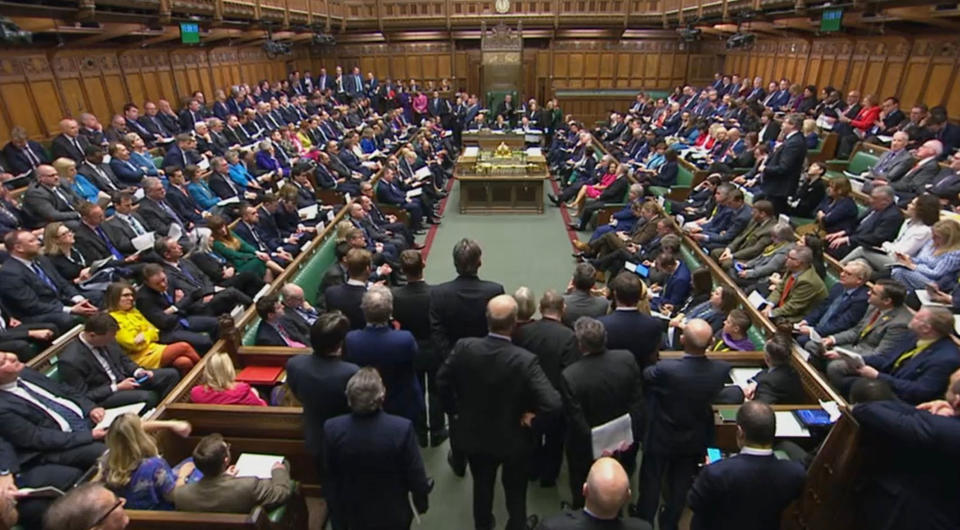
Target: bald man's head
{"x": 502, "y": 314}
{"x": 607, "y": 488}
{"x": 697, "y": 335}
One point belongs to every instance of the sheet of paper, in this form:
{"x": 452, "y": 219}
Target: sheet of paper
{"x": 534, "y": 151}
{"x": 814, "y": 336}
{"x": 309, "y": 213}
{"x": 616, "y": 434}
{"x": 203, "y": 164}
{"x": 263, "y": 291}
{"x": 414, "y": 193}
{"x": 832, "y": 409}
{"x": 854, "y": 359}
{"x": 138, "y": 195}
{"x": 785, "y": 219}
{"x": 741, "y": 376}
{"x": 114, "y": 413}
{"x": 924, "y": 297}
{"x": 532, "y": 138}
{"x": 956, "y": 323}
{"x": 256, "y": 465}
{"x": 330, "y": 216}
{"x": 144, "y": 241}
{"x": 422, "y": 173}
{"x": 788, "y": 426}
{"x": 175, "y": 231}
{"x": 228, "y": 200}
{"x": 757, "y": 300}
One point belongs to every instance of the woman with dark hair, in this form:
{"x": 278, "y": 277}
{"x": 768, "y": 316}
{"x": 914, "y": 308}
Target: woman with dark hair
{"x": 701, "y": 285}
{"x": 778, "y": 382}
{"x": 807, "y": 101}
{"x": 242, "y": 255}
{"x": 922, "y": 213}
{"x": 723, "y": 299}
{"x": 837, "y": 211}
{"x": 810, "y": 194}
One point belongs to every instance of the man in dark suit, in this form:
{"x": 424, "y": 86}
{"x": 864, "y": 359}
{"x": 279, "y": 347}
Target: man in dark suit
{"x": 22, "y": 154}
{"x": 611, "y": 194}
{"x": 919, "y": 368}
{"x": 457, "y": 310}
{"x": 201, "y": 295}
{"x": 602, "y": 386}
{"x": 778, "y": 382}
{"x": 92, "y": 241}
{"x": 411, "y": 308}
{"x": 607, "y": 490}
{"x": 298, "y": 314}
{"x": 95, "y": 367}
{"x": 24, "y": 340}
{"x": 555, "y": 346}
{"x": 125, "y": 224}
{"x": 33, "y": 291}
{"x": 162, "y": 307}
{"x": 347, "y": 297}
{"x": 675, "y": 283}
{"x": 880, "y": 223}
{"x": 781, "y": 171}
{"x": 912, "y": 479}
{"x": 271, "y": 331}
{"x": 392, "y": 352}
{"x": 319, "y": 381}
{"x": 580, "y": 302}
{"x": 44, "y": 421}
{"x": 69, "y": 143}
{"x": 372, "y": 461}
{"x": 493, "y": 391}
{"x": 748, "y": 491}
{"x": 629, "y": 329}
{"x": 190, "y": 116}
{"x": 249, "y": 230}
{"x": 681, "y": 423}
{"x": 922, "y": 173}
{"x": 46, "y": 201}
{"x": 158, "y": 214}
{"x": 101, "y": 174}
{"x": 152, "y": 122}
{"x": 13, "y": 475}
{"x": 183, "y": 154}
{"x": 845, "y": 305}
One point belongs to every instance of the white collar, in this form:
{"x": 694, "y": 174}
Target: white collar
{"x": 351, "y": 281}
{"x": 755, "y": 451}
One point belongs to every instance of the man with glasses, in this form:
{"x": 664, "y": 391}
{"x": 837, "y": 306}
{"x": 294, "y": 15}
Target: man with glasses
{"x": 46, "y": 201}
{"x": 87, "y": 507}
{"x": 799, "y": 291}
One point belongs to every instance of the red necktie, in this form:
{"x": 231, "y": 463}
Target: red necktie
{"x": 786, "y": 290}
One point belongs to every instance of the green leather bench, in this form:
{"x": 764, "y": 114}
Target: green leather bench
{"x": 859, "y": 162}
{"x": 684, "y": 182}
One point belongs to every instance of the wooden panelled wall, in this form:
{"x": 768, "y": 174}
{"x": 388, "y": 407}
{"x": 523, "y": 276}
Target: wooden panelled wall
{"x": 915, "y": 70}
{"x": 38, "y": 89}
{"x": 648, "y": 64}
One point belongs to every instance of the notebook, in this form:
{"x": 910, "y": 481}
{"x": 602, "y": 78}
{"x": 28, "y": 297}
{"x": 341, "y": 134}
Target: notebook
{"x": 260, "y": 375}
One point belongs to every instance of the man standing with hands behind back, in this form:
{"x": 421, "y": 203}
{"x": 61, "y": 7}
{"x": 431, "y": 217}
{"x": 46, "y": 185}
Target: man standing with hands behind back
{"x": 493, "y": 392}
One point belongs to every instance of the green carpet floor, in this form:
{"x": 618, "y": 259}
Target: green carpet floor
{"x": 531, "y": 250}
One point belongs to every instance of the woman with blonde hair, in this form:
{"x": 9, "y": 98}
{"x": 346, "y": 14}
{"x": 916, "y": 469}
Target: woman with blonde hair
{"x": 937, "y": 261}
{"x": 220, "y": 386}
{"x": 58, "y": 246}
{"x": 810, "y": 133}
{"x": 242, "y": 255}
{"x": 526, "y": 305}
{"x": 138, "y": 337}
{"x": 78, "y": 184}
{"x": 133, "y": 468}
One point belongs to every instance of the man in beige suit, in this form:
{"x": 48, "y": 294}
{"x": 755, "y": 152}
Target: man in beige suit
{"x": 220, "y": 491}
{"x": 799, "y": 291}
{"x": 754, "y": 238}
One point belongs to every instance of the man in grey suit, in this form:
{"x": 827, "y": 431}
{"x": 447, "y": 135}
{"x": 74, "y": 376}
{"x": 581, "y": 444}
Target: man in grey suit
{"x": 920, "y": 174}
{"x": 878, "y": 332}
{"x": 893, "y": 164}
{"x": 755, "y": 272}
{"x": 46, "y": 201}
{"x": 579, "y": 302}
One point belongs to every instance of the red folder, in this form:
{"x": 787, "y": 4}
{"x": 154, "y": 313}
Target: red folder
{"x": 260, "y": 375}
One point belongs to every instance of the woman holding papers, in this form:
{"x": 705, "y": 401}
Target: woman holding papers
{"x": 220, "y": 386}
{"x": 138, "y": 337}
{"x": 133, "y": 467}
{"x": 922, "y": 213}
{"x": 239, "y": 253}
{"x": 937, "y": 261}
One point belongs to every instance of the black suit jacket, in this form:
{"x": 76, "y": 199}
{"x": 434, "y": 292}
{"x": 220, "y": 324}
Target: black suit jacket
{"x": 152, "y": 304}
{"x": 109, "y": 184}
{"x": 89, "y": 243}
{"x": 373, "y": 463}
{"x": 267, "y": 335}
{"x": 486, "y": 385}
{"x": 25, "y": 294}
{"x": 191, "y": 280}
{"x": 782, "y": 172}
{"x": 581, "y": 520}
{"x": 43, "y": 205}
{"x": 155, "y": 217}
{"x": 779, "y": 385}
{"x": 680, "y": 393}
{"x": 458, "y": 309}
{"x": 220, "y": 185}
{"x": 411, "y": 308}
{"x": 62, "y": 147}
{"x": 744, "y": 492}
{"x": 184, "y": 205}
{"x": 346, "y": 298}
{"x": 598, "y": 388}
{"x": 553, "y": 343}
{"x": 121, "y": 234}
{"x": 319, "y": 383}
{"x": 82, "y": 373}
{"x": 634, "y": 331}
{"x": 31, "y": 430}
{"x": 297, "y": 328}
{"x": 18, "y": 162}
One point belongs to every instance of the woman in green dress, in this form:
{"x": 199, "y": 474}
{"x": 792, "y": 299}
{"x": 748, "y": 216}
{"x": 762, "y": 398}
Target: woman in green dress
{"x": 239, "y": 253}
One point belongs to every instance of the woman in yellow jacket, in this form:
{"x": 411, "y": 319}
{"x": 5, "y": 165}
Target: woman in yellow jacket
{"x": 138, "y": 337}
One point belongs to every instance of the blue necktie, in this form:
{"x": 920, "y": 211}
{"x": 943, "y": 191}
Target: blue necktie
{"x": 833, "y": 308}
{"x": 189, "y": 276}
{"x": 76, "y": 423}
{"x": 113, "y": 250}
{"x": 183, "y": 322}
{"x": 43, "y": 276}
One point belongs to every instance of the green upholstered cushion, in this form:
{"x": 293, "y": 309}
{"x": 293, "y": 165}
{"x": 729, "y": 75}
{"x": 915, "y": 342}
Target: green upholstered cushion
{"x": 250, "y": 335}
{"x": 861, "y": 161}
{"x": 831, "y": 279}
{"x": 310, "y": 276}
{"x": 800, "y": 221}
{"x": 756, "y": 337}
{"x": 689, "y": 259}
